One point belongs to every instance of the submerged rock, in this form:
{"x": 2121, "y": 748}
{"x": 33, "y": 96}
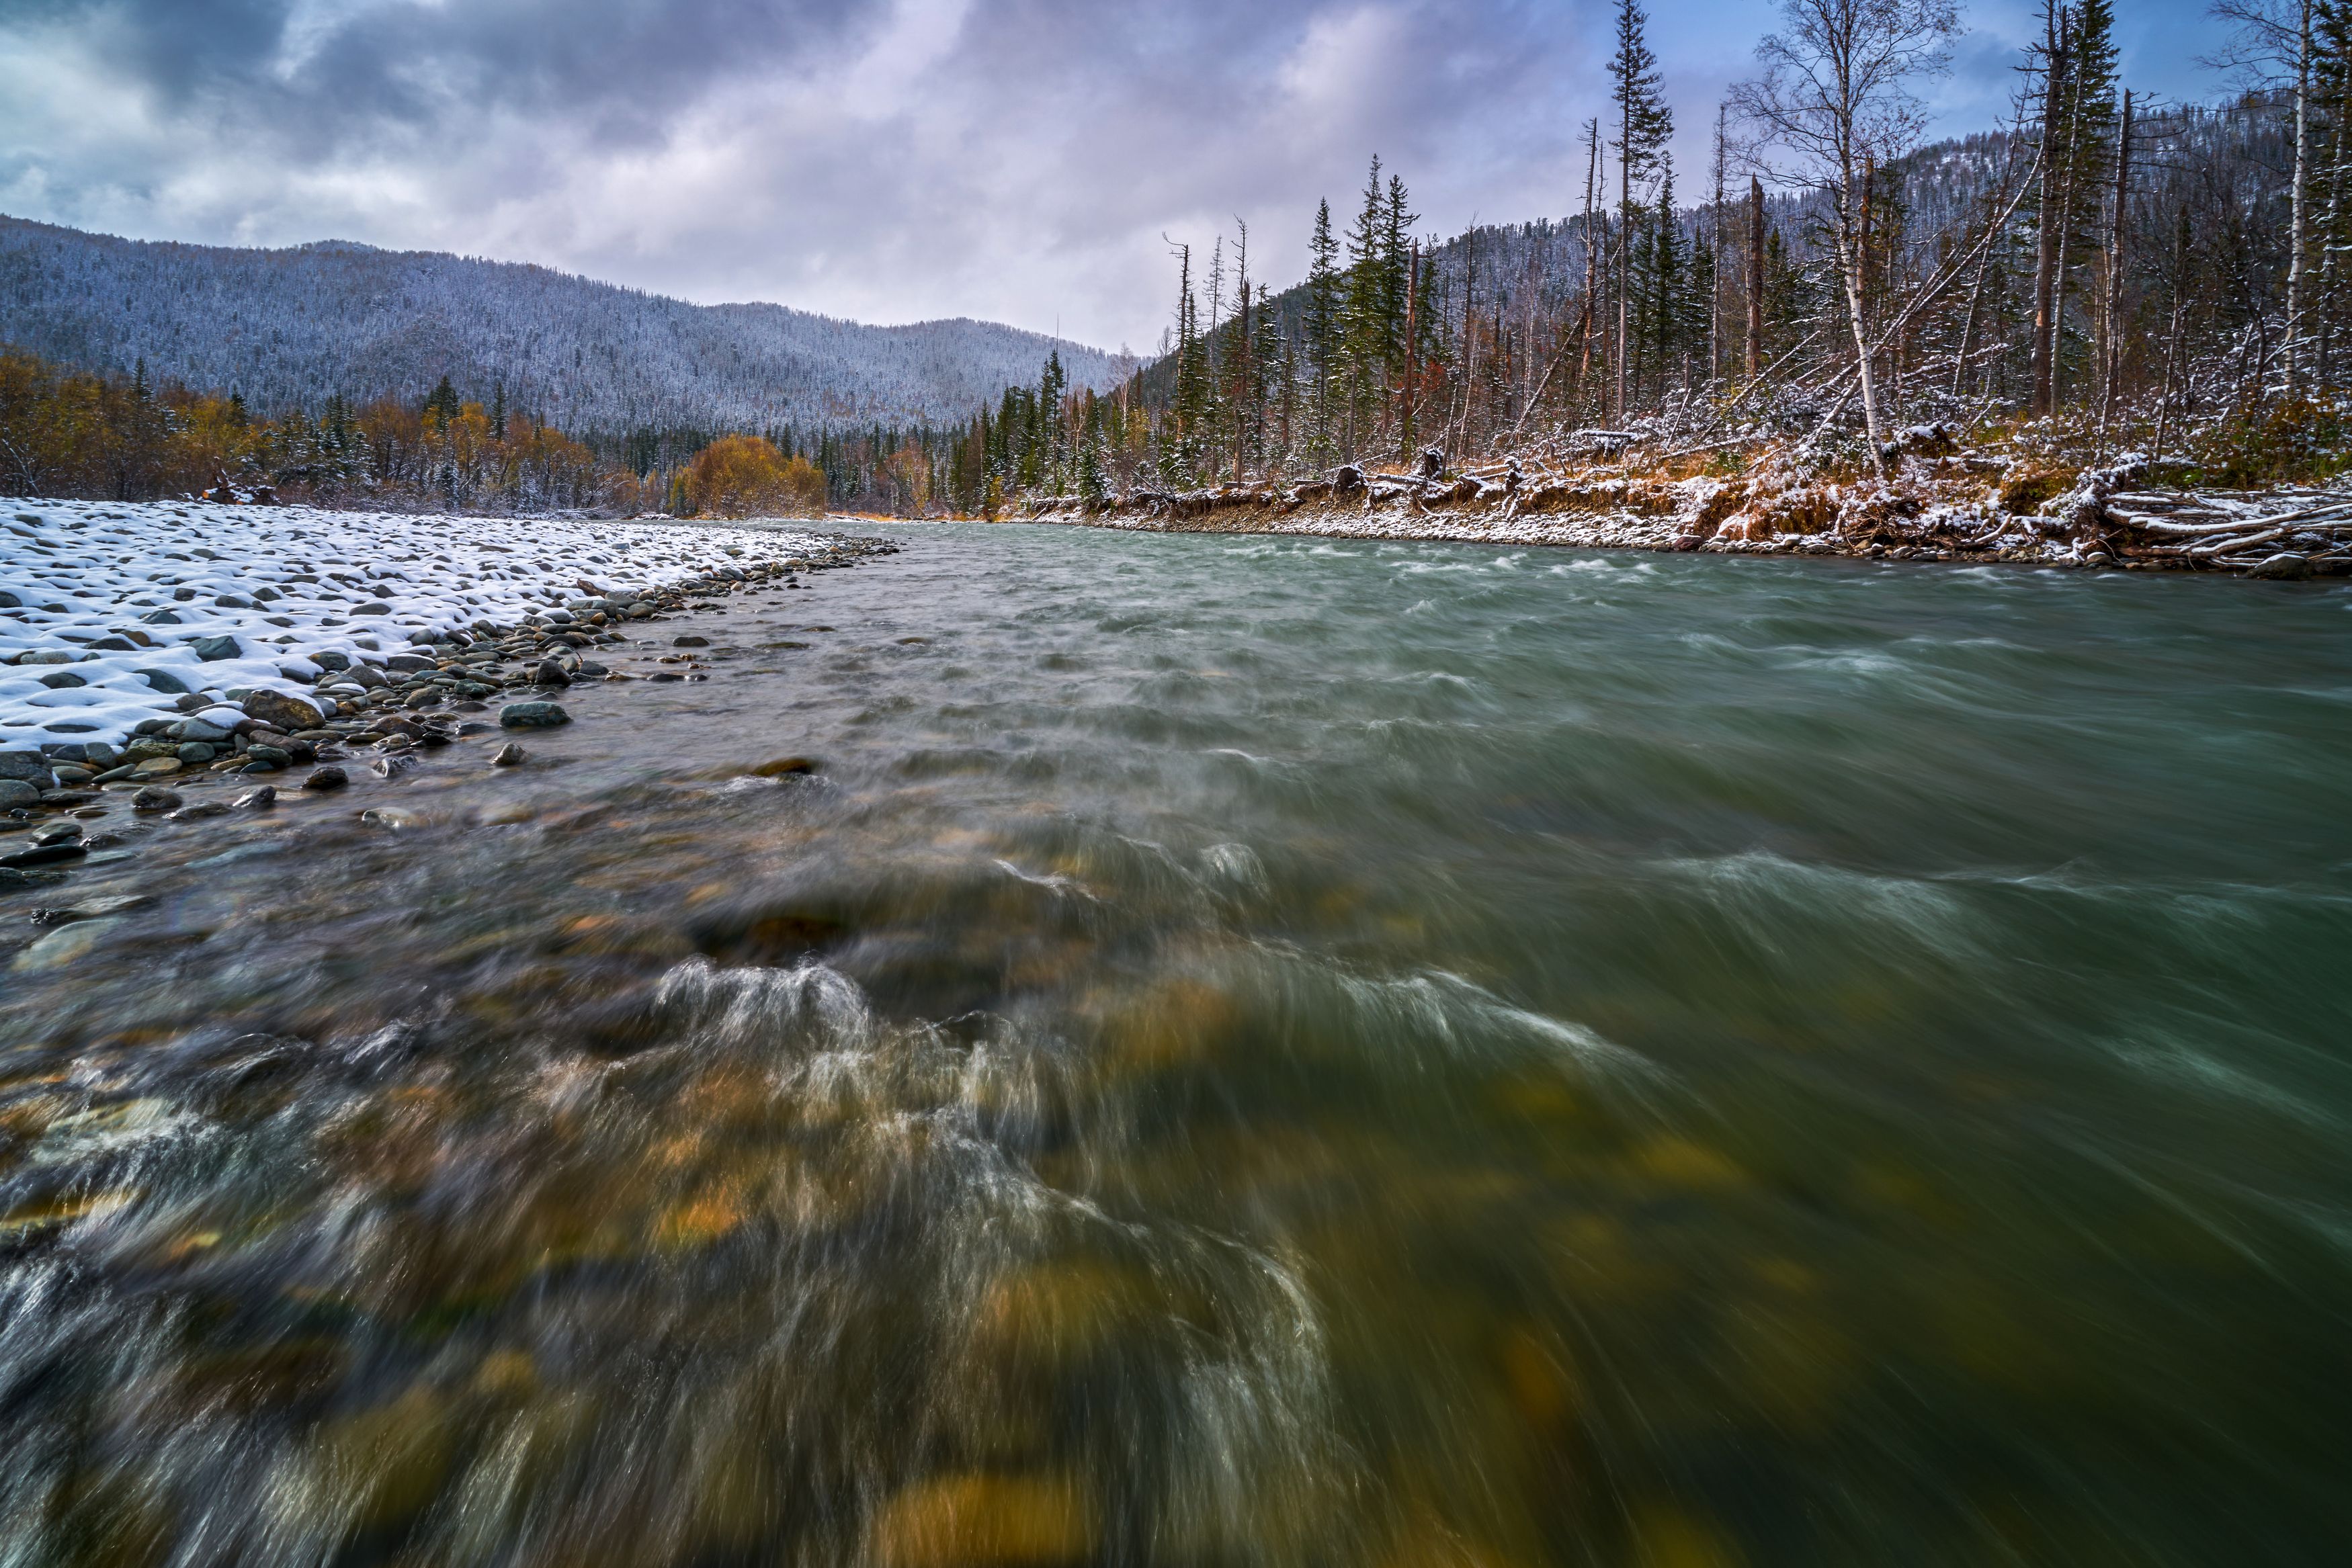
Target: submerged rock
{"x": 533, "y": 716}
{"x": 65, "y": 944}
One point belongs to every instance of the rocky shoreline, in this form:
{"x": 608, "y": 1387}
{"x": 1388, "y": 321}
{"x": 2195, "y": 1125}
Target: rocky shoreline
{"x": 1940, "y": 503}
{"x": 381, "y": 710}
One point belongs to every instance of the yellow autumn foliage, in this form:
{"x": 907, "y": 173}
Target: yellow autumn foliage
{"x": 745, "y": 476}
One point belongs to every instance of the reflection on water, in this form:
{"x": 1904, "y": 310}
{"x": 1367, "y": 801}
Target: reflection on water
{"x": 1245, "y": 1053}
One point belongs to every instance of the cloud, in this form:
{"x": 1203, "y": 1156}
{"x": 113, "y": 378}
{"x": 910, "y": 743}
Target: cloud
{"x": 884, "y": 159}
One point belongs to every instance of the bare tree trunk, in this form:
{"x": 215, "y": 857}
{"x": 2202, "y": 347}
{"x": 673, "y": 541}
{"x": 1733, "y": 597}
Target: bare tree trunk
{"x": 1851, "y": 235}
{"x": 1715, "y": 252}
{"x": 1755, "y": 278}
{"x": 1592, "y": 259}
{"x": 2112, "y": 322}
{"x": 2172, "y": 337}
{"x": 1244, "y": 381}
{"x": 1624, "y": 284}
{"x": 2331, "y": 240}
{"x": 2046, "y": 250}
{"x": 2296, "y": 239}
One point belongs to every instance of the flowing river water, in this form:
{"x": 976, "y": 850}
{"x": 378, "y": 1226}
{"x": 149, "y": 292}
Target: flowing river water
{"x": 1244, "y": 1052}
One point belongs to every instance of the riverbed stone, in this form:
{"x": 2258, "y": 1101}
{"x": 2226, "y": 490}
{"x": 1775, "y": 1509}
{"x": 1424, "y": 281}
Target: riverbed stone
{"x": 984, "y": 1518}
{"x": 507, "y": 756}
{"x": 30, "y": 766}
{"x": 151, "y": 798}
{"x": 157, "y": 768}
{"x": 327, "y": 778}
{"x": 533, "y": 716}
{"x": 213, "y": 649}
{"x": 254, "y": 800}
{"x": 66, "y": 849}
{"x": 65, "y": 944}
{"x": 195, "y": 753}
{"x": 280, "y": 710}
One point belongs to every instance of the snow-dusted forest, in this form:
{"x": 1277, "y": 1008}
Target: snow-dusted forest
{"x": 292, "y": 329}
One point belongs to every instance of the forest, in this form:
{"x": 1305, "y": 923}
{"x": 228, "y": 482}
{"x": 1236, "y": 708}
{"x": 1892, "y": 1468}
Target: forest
{"x": 2104, "y": 275}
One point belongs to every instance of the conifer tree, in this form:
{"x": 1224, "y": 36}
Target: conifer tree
{"x": 1322, "y": 328}
{"x": 1643, "y": 125}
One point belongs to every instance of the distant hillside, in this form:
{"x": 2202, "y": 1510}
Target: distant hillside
{"x": 295, "y": 327}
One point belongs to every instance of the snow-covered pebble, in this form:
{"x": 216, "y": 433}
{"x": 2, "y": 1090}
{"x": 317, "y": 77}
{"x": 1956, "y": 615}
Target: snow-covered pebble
{"x": 110, "y": 612}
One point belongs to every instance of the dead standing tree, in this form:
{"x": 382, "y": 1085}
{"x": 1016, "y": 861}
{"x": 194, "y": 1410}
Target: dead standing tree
{"x": 1834, "y": 95}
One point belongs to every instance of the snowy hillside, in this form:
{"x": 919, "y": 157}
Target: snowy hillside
{"x": 295, "y": 327}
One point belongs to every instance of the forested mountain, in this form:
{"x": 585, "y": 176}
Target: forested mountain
{"x": 293, "y": 329}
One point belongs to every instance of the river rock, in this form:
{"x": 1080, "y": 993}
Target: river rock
{"x": 196, "y": 753}
{"x": 280, "y": 710}
{"x": 533, "y": 716}
{"x": 213, "y": 649}
{"x": 391, "y": 817}
{"x": 548, "y": 673}
{"x": 198, "y": 812}
{"x": 2284, "y": 567}
{"x": 44, "y": 656}
{"x": 15, "y": 793}
{"x": 68, "y": 849}
{"x": 393, "y": 765}
{"x": 30, "y": 767}
{"x": 61, "y": 680}
{"x": 781, "y": 766}
{"x": 689, "y": 641}
{"x": 507, "y": 756}
{"x": 254, "y": 800}
{"x": 327, "y": 778}
{"x": 64, "y": 945}
{"x": 149, "y": 798}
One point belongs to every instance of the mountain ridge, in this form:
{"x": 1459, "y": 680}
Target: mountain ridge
{"x": 294, "y": 326}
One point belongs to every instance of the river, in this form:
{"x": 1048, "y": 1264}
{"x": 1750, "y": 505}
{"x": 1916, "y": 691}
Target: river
{"x": 1246, "y": 1051}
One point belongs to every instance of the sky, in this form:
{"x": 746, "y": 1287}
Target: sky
{"x": 1022, "y": 161}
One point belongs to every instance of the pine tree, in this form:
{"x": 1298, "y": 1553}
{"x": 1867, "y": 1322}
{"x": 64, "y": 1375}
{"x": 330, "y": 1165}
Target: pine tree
{"x": 1644, "y": 125}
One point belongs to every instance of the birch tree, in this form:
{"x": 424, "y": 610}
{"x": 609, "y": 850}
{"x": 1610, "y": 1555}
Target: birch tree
{"x": 1835, "y": 96}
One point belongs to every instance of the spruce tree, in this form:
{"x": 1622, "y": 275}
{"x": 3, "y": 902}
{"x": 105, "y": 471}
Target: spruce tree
{"x": 1643, "y": 125}
{"x": 1321, "y": 328}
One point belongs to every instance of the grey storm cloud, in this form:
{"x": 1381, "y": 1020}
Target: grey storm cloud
{"x": 883, "y": 159}
{"x": 314, "y": 73}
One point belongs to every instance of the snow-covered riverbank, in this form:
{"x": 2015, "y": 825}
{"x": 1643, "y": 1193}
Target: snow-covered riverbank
{"x": 111, "y": 612}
